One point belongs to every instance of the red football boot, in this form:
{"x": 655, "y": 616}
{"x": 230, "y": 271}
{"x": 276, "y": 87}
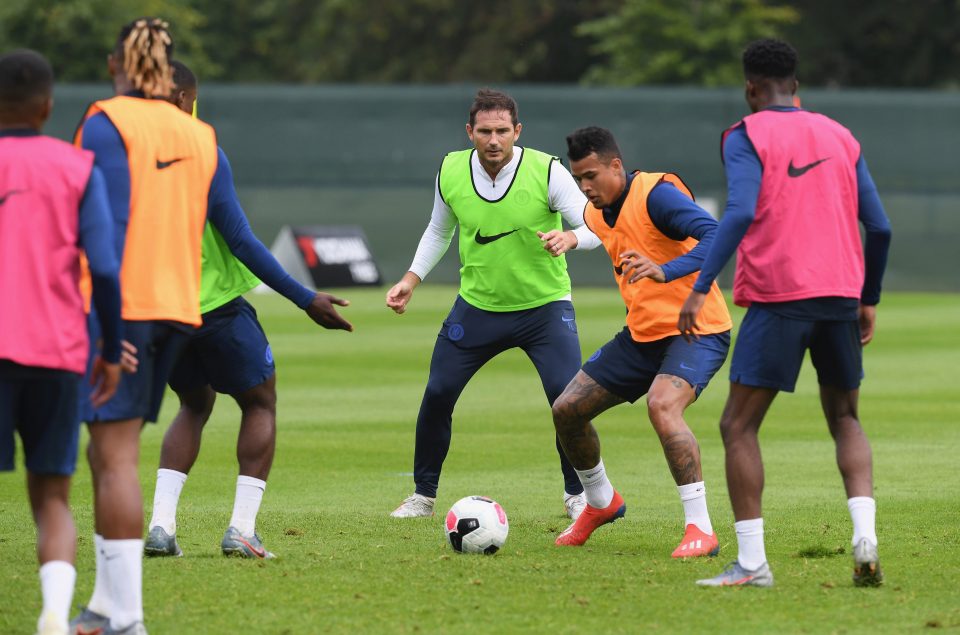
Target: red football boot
{"x": 588, "y": 521}
{"x": 695, "y": 544}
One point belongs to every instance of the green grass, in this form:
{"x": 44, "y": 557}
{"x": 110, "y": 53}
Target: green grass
{"x": 347, "y": 407}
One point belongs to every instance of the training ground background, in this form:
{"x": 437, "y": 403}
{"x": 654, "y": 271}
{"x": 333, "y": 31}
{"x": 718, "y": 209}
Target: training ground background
{"x": 347, "y": 408}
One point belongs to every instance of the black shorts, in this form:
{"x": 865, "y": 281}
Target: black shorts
{"x": 41, "y": 405}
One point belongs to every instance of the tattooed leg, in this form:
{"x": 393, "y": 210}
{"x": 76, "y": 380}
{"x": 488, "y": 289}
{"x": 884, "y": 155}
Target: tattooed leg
{"x": 668, "y": 398}
{"x": 581, "y": 401}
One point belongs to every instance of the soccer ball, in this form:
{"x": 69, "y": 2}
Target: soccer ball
{"x": 476, "y": 524}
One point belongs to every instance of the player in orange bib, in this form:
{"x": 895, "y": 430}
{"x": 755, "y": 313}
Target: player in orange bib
{"x": 656, "y": 236}
{"x": 158, "y": 164}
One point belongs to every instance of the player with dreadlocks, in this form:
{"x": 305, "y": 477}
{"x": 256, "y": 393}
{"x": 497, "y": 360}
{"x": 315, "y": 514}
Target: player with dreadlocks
{"x": 158, "y": 165}
{"x": 165, "y": 176}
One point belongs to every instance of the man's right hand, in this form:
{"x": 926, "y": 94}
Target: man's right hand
{"x": 400, "y": 293}
{"x": 322, "y": 311}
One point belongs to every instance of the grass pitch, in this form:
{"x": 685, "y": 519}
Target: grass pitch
{"x": 347, "y": 408}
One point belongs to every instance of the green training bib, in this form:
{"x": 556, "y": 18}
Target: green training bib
{"x": 504, "y": 266}
{"x": 222, "y": 276}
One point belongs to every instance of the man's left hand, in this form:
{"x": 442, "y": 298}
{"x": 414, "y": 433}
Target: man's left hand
{"x": 558, "y": 242}
{"x": 322, "y": 311}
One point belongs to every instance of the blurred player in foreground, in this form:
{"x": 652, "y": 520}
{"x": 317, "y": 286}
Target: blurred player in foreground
{"x": 798, "y": 185}
{"x": 158, "y": 164}
{"x": 53, "y": 202}
{"x": 229, "y": 354}
{"x": 657, "y": 237}
{"x": 512, "y": 294}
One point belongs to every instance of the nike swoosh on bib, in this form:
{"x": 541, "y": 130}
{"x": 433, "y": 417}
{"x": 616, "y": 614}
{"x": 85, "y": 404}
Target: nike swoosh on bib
{"x": 795, "y": 172}
{"x": 483, "y": 240}
{"x": 162, "y": 165}
{"x": 3, "y": 199}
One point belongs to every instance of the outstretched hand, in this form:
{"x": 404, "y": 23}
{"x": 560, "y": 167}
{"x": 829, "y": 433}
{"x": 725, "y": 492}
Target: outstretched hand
{"x": 399, "y": 294}
{"x": 638, "y": 266}
{"x": 322, "y": 311}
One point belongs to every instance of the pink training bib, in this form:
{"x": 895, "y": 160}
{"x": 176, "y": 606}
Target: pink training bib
{"x": 42, "y": 182}
{"x": 805, "y": 238}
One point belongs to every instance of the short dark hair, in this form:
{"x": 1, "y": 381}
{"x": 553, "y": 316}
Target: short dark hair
{"x": 774, "y": 59}
{"x": 183, "y": 77}
{"x": 488, "y": 99}
{"x": 26, "y": 80}
{"x": 584, "y": 141}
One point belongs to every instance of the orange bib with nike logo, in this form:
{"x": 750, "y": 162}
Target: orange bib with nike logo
{"x": 172, "y": 159}
{"x": 653, "y": 308}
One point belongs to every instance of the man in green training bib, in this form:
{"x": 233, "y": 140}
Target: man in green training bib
{"x": 509, "y": 202}
{"x": 229, "y": 354}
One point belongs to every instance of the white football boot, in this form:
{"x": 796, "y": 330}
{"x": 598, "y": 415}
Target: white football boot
{"x": 414, "y": 506}
{"x": 574, "y": 504}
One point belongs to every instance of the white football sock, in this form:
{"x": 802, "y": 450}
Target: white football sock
{"x": 694, "y": 499}
{"x": 863, "y": 512}
{"x": 751, "y": 554}
{"x": 165, "y": 499}
{"x": 596, "y": 486}
{"x": 123, "y": 560}
{"x": 100, "y": 600}
{"x": 246, "y": 505}
{"x": 56, "y": 582}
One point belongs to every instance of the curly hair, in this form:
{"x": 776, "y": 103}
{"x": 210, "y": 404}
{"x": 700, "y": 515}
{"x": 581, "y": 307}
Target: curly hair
{"x": 770, "y": 58}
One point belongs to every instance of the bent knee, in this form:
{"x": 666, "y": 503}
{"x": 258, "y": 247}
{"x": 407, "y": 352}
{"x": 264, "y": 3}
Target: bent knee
{"x": 564, "y": 410}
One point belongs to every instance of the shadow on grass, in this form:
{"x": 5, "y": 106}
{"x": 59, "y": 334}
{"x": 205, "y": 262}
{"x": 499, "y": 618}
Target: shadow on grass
{"x": 819, "y": 551}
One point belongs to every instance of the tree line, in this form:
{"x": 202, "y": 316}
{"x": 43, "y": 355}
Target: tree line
{"x": 893, "y": 43}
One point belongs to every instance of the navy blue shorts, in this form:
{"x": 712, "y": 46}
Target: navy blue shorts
{"x": 627, "y": 368}
{"x": 140, "y": 394}
{"x": 40, "y": 404}
{"x": 770, "y": 348}
{"x": 230, "y": 352}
